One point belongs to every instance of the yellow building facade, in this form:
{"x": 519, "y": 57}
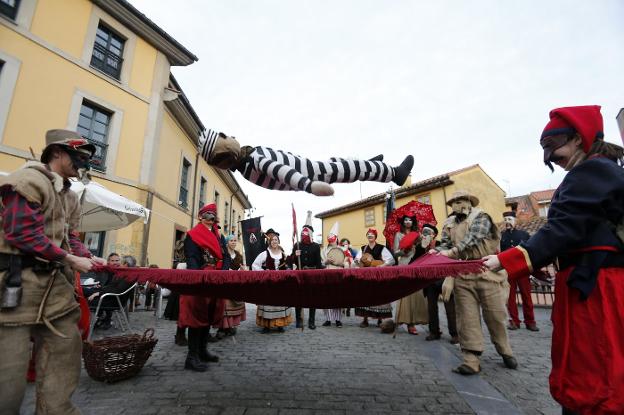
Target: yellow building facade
{"x": 102, "y": 68}
{"x": 357, "y": 217}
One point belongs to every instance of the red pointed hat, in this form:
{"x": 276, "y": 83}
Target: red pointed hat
{"x": 586, "y": 120}
{"x": 373, "y": 231}
{"x": 210, "y": 208}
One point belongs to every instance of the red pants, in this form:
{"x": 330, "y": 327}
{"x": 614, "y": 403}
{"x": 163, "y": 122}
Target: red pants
{"x": 588, "y": 345}
{"x": 527, "y": 303}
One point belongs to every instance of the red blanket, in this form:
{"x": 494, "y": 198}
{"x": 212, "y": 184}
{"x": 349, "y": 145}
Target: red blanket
{"x": 319, "y": 288}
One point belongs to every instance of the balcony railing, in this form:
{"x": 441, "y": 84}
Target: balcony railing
{"x": 542, "y": 293}
{"x": 183, "y": 199}
{"x": 98, "y": 161}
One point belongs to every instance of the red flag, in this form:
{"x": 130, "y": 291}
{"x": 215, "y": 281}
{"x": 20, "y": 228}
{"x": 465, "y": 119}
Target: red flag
{"x": 294, "y": 235}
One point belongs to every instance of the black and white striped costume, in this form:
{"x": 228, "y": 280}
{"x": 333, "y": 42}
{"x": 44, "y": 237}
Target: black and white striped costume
{"x": 282, "y": 170}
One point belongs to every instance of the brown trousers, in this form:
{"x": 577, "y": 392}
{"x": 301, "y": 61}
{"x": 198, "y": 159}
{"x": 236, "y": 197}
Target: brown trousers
{"x": 57, "y": 365}
{"x": 470, "y": 296}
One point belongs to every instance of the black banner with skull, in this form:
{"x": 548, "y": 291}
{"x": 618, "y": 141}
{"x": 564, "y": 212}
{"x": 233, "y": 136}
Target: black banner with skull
{"x": 253, "y": 239}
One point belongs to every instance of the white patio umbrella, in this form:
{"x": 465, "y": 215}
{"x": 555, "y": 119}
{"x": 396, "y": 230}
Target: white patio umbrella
{"x": 103, "y": 210}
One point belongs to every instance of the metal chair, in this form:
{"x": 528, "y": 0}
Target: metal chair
{"x": 121, "y": 312}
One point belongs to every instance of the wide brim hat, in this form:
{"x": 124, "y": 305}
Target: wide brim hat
{"x": 463, "y": 194}
{"x": 68, "y": 139}
{"x": 271, "y": 230}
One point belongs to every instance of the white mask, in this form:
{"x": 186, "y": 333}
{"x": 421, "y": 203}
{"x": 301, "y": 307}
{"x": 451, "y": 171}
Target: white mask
{"x": 427, "y": 236}
{"x": 510, "y": 221}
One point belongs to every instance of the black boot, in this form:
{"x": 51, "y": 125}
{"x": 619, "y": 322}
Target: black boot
{"x": 298, "y": 319}
{"x": 180, "y": 337}
{"x": 510, "y": 362}
{"x": 192, "y": 358}
{"x": 204, "y": 354}
{"x": 403, "y": 170}
{"x": 312, "y": 319}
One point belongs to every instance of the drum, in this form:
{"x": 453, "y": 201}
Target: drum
{"x": 368, "y": 261}
{"x": 336, "y": 258}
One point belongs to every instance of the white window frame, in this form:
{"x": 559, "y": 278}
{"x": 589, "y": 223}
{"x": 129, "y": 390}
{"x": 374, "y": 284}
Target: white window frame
{"x": 189, "y": 178}
{"x": 25, "y": 13}
{"x": 129, "y": 46}
{"x": 8, "y": 80}
{"x": 114, "y": 128}
{"x": 366, "y": 222}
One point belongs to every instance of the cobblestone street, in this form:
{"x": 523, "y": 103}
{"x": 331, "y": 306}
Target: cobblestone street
{"x": 329, "y": 370}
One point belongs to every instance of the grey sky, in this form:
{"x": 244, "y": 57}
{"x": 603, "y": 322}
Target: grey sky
{"x": 454, "y": 83}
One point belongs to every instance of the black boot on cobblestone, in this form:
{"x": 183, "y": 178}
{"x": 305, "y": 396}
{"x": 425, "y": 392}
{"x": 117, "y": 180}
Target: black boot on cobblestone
{"x": 312, "y": 318}
{"x": 204, "y": 354}
{"x": 327, "y": 323}
{"x": 338, "y": 323}
{"x": 192, "y": 358}
{"x": 193, "y": 363}
{"x": 510, "y": 362}
{"x": 433, "y": 336}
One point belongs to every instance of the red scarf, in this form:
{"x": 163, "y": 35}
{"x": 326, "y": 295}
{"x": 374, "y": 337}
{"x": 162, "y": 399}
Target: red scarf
{"x": 206, "y": 239}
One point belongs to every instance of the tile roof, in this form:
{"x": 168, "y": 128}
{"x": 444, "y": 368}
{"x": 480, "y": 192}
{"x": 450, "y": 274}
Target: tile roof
{"x": 531, "y": 226}
{"x": 543, "y": 194}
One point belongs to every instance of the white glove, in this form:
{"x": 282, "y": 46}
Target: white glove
{"x": 447, "y": 288}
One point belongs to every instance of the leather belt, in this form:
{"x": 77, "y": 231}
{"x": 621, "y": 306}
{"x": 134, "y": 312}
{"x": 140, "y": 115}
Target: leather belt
{"x": 29, "y": 261}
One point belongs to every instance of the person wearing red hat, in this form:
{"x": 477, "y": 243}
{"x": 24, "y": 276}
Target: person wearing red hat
{"x": 202, "y": 250}
{"x": 374, "y": 255}
{"x": 585, "y": 236}
{"x": 511, "y": 237}
{"x": 307, "y": 254}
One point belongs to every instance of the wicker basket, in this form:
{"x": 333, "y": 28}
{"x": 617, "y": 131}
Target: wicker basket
{"x": 112, "y": 359}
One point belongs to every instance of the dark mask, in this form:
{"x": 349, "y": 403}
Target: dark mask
{"x": 460, "y": 217}
{"x": 79, "y": 159}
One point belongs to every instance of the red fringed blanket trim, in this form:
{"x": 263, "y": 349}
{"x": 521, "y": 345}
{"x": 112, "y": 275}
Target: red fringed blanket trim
{"x": 319, "y": 288}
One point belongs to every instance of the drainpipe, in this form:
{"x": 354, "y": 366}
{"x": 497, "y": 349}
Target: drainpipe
{"x": 445, "y": 205}
{"x": 146, "y": 228}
